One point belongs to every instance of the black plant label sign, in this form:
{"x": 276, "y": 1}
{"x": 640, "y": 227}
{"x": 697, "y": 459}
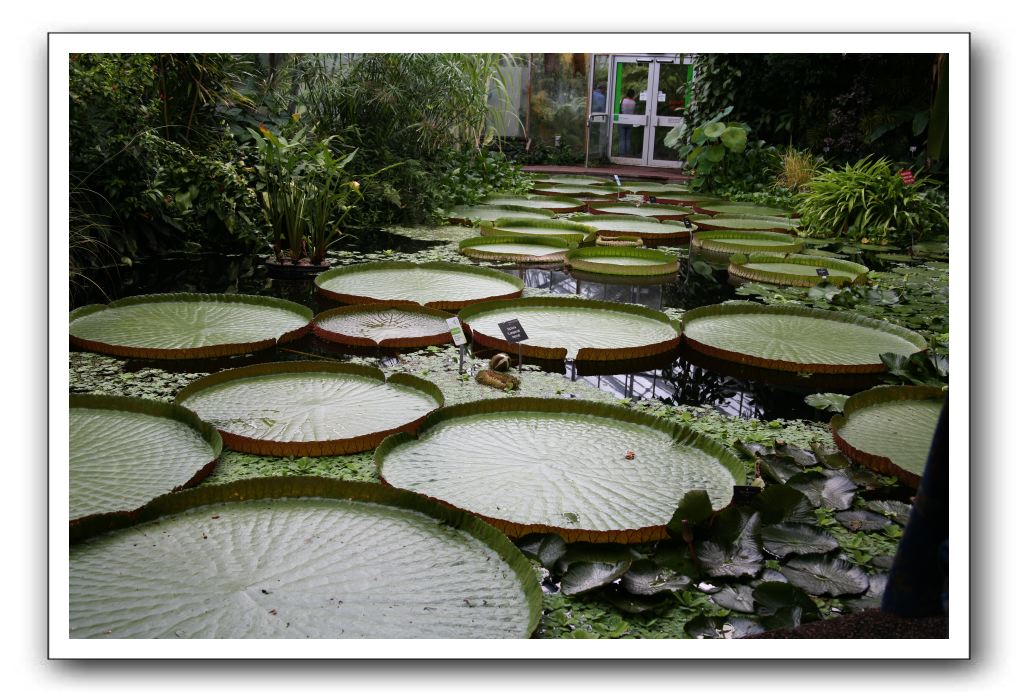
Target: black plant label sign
{"x": 686, "y": 222}
{"x": 744, "y": 494}
{"x": 513, "y": 331}
{"x": 653, "y": 200}
{"x": 822, "y": 272}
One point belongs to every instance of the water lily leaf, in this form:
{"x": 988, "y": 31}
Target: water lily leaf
{"x": 541, "y": 465}
{"x": 309, "y": 408}
{"x": 391, "y": 327}
{"x": 828, "y": 489}
{"x": 547, "y": 548}
{"x": 898, "y": 512}
{"x": 795, "y": 339}
{"x": 773, "y": 597}
{"x": 741, "y": 209}
{"x": 733, "y": 555}
{"x": 188, "y": 325}
{"x": 622, "y": 261}
{"x": 556, "y": 204}
{"x": 298, "y": 557}
{"x": 800, "y": 457}
{"x": 568, "y": 231}
{"x": 827, "y": 402}
{"x": 782, "y": 504}
{"x": 874, "y": 594}
{"x": 738, "y": 597}
{"x": 594, "y": 552}
{"x": 513, "y": 248}
{"x": 721, "y": 245}
{"x": 823, "y": 574}
{"x": 740, "y": 222}
{"x": 862, "y": 520}
{"x": 587, "y": 576}
{"x": 636, "y": 605}
{"x": 676, "y": 557}
{"x": 703, "y": 627}
{"x": 124, "y": 452}
{"x": 778, "y": 470}
{"x": 560, "y": 328}
{"x": 794, "y": 269}
{"x": 694, "y": 507}
{"x": 890, "y": 429}
{"x": 490, "y": 212}
{"x": 439, "y": 285}
{"x": 661, "y": 212}
{"x": 646, "y": 578}
{"x": 783, "y": 540}
{"x": 771, "y": 575}
{"x": 783, "y": 619}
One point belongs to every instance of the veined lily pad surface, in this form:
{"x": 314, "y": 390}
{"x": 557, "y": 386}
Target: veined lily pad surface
{"x": 890, "y": 429}
{"x": 579, "y": 191}
{"x": 482, "y": 212}
{"x": 301, "y": 558}
{"x": 513, "y": 248}
{"x": 624, "y": 261}
{"x": 726, "y": 222}
{"x": 125, "y": 451}
{"x": 722, "y": 244}
{"x": 309, "y": 408}
{"x": 440, "y": 285}
{"x": 649, "y": 229}
{"x": 794, "y": 270}
{"x": 658, "y": 211}
{"x": 573, "y": 328}
{"x": 536, "y": 465}
{"x": 741, "y": 209}
{"x": 557, "y": 204}
{"x": 568, "y": 231}
{"x": 187, "y": 325}
{"x": 566, "y": 179}
{"x": 378, "y": 325}
{"x": 795, "y": 339}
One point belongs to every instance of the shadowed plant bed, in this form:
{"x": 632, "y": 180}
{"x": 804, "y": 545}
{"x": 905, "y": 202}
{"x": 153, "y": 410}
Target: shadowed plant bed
{"x": 309, "y": 408}
{"x": 559, "y": 328}
{"x": 299, "y": 558}
{"x": 591, "y": 472}
{"x": 796, "y": 339}
{"x": 569, "y": 231}
{"x": 490, "y": 212}
{"x": 406, "y": 326}
{"x": 649, "y": 229}
{"x": 513, "y": 248}
{"x": 188, "y": 325}
{"x": 658, "y": 211}
{"x": 794, "y": 270}
{"x": 621, "y": 261}
{"x": 556, "y": 204}
{"x": 439, "y": 285}
{"x": 125, "y": 451}
{"x": 725, "y": 222}
{"x": 722, "y": 244}
{"x": 890, "y": 429}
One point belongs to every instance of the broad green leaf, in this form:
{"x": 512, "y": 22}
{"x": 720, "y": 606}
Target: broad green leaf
{"x": 783, "y": 540}
{"x": 545, "y": 547}
{"x": 657, "y": 211}
{"x": 898, "y": 512}
{"x": 694, "y": 508}
{"x": 703, "y": 627}
{"x": 715, "y": 153}
{"x": 299, "y": 558}
{"x": 587, "y": 576}
{"x": 555, "y": 204}
{"x": 738, "y": 597}
{"x": 645, "y": 578}
{"x": 526, "y": 229}
{"x": 734, "y": 139}
{"x": 827, "y": 402}
{"x": 829, "y": 489}
{"x": 772, "y": 597}
{"x": 583, "y": 552}
{"x": 723, "y": 244}
{"x": 783, "y": 504}
{"x": 490, "y": 212}
{"x": 728, "y": 222}
{"x": 713, "y": 130}
{"x": 794, "y": 269}
{"x": 624, "y": 261}
{"x": 822, "y": 574}
{"x": 862, "y": 520}
{"x": 733, "y": 556}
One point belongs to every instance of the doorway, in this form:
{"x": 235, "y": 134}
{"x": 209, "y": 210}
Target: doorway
{"x": 646, "y": 97}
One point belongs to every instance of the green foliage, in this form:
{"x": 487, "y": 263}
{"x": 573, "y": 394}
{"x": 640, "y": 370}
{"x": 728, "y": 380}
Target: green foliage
{"x": 721, "y": 155}
{"x": 796, "y": 169}
{"x": 868, "y": 201}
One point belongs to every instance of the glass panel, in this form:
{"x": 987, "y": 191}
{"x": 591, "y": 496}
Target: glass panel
{"x": 627, "y": 140}
{"x": 661, "y": 152}
{"x": 631, "y": 88}
{"x": 558, "y": 100}
{"x": 598, "y": 144}
{"x": 672, "y": 90}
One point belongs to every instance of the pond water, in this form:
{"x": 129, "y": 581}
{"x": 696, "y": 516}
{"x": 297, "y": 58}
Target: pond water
{"x": 672, "y": 378}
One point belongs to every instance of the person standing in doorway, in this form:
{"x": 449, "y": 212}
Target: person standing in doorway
{"x": 628, "y": 107}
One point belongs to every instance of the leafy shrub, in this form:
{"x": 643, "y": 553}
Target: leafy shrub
{"x": 869, "y": 201}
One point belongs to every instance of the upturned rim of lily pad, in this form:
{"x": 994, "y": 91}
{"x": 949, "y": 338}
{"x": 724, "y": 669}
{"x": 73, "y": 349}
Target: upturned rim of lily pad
{"x": 408, "y": 341}
{"x": 737, "y": 268}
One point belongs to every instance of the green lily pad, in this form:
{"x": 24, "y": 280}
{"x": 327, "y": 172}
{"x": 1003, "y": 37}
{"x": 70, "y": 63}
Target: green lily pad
{"x": 794, "y": 270}
{"x": 624, "y": 261}
{"x": 827, "y": 402}
{"x": 823, "y": 574}
{"x": 439, "y": 285}
{"x": 587, "y": 576}
{"x": 560, "y": 328}
{"x": 862, "y": 520}
{"x": 779, "y": 504}
{"x": 735, "y": 555}
{"x": 721, "y": 245}
{"x": 407, "y": 326}
{"x": 742, "y": 209}
{"x": 773, "y": 596}
{"x": 703, "y": 627}
{"x": 309, "y": 408}
{"x": 490, "y": 212}
{"x": 648, "y": 229}
{"x": 299, "y": 558}
{"x": 657, "y": 211}
{"x": 568, "y": 231}
{"x": 646, "y": 578}
{"x": 782, "y": 540}
{"x": 566, "y": 179}
{"x": 516, "y": 249}
{"x": 896, "y": 511}
{"x": 544, "y": 547}
{"x": 578, "y": 191}
{"x": 795, "y": 339}
{"x": 727, "y": 222}
{"x": 537, "y": 465}
{"x": 188, "y": 325}
{"x": 125, "y": 451}
{"x": 738, "y": 597}
{"x": 890, "y": 429}
{"x": 555, "y": 204}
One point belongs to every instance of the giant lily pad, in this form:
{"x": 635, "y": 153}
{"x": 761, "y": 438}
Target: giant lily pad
{"x": 125, "y": 451}
{"x": 578, "y": 191}
{"x": 490, "y": 212}
{"x": 724, "y": 244}
{"x": 309, "y": 408}
{"x": 548, "y": 465}
{"x": 740, "y": 209}
{"x": 688, "y": 199}
{"x": 566, "y": 179}
{"x": 795, "y": 339}
{"x": 440, "y": 285}
{"x": 560, "y": 328}
{"x": 188, "y": 325}
{"x": 725, "y": 222}
{"x": 627, "y": 261}
{"x": 568, "y": 231}
{"x": 556, "y": 204}
{"x": 647, "y": 228}
{"x": 299, "y": 558}
{"x": 513, "y": 248}
{"x": 794, "y": 270}
{"x": 890, "y": 429}
{"x": 657, "y": 211}
{"x": 407, "y": 326}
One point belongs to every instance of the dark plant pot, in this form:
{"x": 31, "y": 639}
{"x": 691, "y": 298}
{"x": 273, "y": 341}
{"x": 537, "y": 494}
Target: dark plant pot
{"x": 288, "y": 270}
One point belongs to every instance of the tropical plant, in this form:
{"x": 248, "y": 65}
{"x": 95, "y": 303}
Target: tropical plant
{"x": 868, "y": 201}
{"x": 796, "y": 169}
{"x": 720, "y": 154}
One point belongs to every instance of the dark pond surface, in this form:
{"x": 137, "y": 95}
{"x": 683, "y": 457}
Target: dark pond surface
{"x": 673, "y": 378}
